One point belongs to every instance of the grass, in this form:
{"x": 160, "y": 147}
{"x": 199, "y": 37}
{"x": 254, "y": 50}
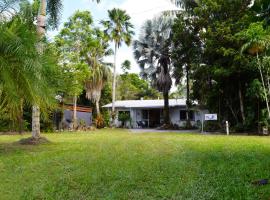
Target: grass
{"x": 116, "y": 164}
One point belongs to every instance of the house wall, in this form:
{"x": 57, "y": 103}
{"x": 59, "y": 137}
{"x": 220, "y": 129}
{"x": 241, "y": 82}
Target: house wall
{"x": 85, "y": 116}
{"x": 175, "y": 116}
{"x": 136, "y": 115}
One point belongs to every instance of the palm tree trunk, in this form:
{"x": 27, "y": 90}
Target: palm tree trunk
{"x": 20, "y": 117}
{"x": 114, "y": 85}
{"x": 36, "y": 122}
{"x": 264, "y": 88}
{"x": 188, "y": 98}
{"x": 241, "y": 102}
{"x": 75, "y": 112}
{"x": 41, "y": 32}
{"x": 97, "y": 106}
{"x": 166, "y": 108}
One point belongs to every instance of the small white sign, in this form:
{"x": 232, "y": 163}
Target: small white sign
{"x": 210, "y": 117}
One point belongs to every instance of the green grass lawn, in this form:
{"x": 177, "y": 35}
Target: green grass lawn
{"x": 116, "y": 164}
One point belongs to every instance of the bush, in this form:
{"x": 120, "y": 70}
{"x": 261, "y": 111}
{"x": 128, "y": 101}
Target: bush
{"x": 106, "y": 117}
{"x": 211, "y": 126}
{"x": 124, "y": 117}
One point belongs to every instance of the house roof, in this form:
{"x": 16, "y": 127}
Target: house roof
{"x": 147, "y": 103}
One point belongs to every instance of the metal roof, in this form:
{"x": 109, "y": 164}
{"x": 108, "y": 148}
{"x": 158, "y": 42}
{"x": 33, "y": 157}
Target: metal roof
{"x": 147, "y": 103}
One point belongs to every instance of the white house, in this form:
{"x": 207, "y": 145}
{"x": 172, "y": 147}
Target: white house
{"x": 149, "y": 113}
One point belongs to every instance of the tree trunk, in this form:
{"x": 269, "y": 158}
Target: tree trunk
{"x": 188, "y": 98}
{"x": 36, "y": 122}
{"x": 114, "y": 86}
{"x": 264, "y": 88}
{"x": 241, "y": 102}
{"x": 166, "y": 108}
{"x": 20, "y": 118}
{"x": 97, "y": 107}
{"x": 75, "y": 124}
{"x": 41, "y": 23}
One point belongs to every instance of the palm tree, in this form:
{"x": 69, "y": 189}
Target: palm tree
{"x": 152, "y": 52}
{"x": 119, "y": 30}
{"x": 257, "y": 42}
{"x": 22, "y": 69}
{"x": 99, "y": 70}
{"x": 52, "y": 10}
{"x": 185, "y": 4}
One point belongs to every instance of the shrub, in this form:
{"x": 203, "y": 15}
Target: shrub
{"x": 211, "y": 126}
{"x": 124, "y": 117}
{"x": 106, "y": 117}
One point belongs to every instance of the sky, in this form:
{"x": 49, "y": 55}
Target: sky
{"x": 139, "y": 11}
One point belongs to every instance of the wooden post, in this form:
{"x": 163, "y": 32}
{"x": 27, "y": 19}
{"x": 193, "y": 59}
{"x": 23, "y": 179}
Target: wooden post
{"x": 227, "y": 128}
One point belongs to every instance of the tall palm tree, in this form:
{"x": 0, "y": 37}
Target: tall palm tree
{"x": 119, "y": 30}
{"x": 152, "y": 52}
{"x": 52, "y": 10}
{"x": 257, "y": 42}
{"x": 99, "y": 70}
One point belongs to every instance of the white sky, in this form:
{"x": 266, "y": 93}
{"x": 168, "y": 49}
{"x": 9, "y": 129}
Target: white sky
{"x": 139, "y": 11}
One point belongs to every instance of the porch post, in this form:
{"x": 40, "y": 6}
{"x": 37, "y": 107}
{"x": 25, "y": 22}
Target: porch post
{"x": 148, "y": 118}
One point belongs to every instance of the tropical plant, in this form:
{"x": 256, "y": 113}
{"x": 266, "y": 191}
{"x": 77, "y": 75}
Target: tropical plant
{"x": 118, "y": 29}
{"x": 71, "y": 43}
{"x": 50, "y": 9}
{"x": 257, "y": 42}
{"x": 100, "y": 70}
{"x": 27, "y": 77}
{"x": 152, "y": 51}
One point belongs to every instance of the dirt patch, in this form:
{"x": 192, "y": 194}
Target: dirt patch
{"x": 34, "y": 141}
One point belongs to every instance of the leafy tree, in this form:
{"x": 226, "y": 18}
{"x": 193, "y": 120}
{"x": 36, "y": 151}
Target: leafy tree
{"x": 132, "y": 87}
{"x": 186, "y": 52}
{"x": 126, "y": 66}
{"x": 119, "y": 30}
{"x": 152, "y": 52}
{"x": 50, "y": 9}
{"x": 85, "y": 47}
{"x": 223, "y": 78}
{"x": 71, "y": 43}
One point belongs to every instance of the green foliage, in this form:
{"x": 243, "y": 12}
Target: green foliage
{"x": 118, "y": 29}
{"x": 132, "y": 87}
{"x": 70, "y": 48}
{"x": 106, "y": 117}
{"x": 124, "y": 117}
{"x": 213, "y": 38}
{"x": 26, "y": 76}
{"x": 126, "y": 66}
{"x": 152, "y": 52}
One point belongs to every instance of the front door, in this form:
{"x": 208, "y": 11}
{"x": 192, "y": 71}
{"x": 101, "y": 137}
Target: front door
{"x": 154, "y": 118}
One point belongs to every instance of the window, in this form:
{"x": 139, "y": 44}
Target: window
{"x": 145, "y": 114}
{"x": 191, "y": 115}
{"x": 183, "y": 115}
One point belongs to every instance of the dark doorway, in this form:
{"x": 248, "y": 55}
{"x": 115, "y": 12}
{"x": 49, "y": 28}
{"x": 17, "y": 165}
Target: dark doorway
{"x": 154, "y": 118}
